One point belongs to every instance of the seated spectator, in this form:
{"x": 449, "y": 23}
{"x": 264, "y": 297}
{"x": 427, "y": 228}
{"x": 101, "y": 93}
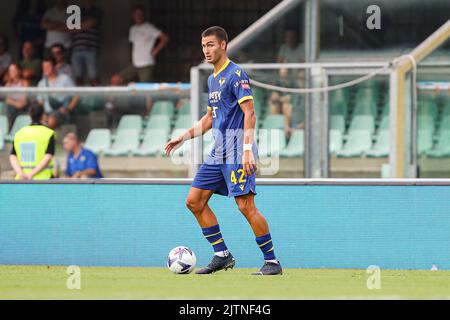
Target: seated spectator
{"x": 27, "y": 24}
{"x": 81, "y": 162}
{"x": 5, "y": 56}
{"x": 59, "y": 55}
{"x": 291, "y": 51}
{"x": 58, "y": 107}
{"x": 54, "y": 22}
{"x": 281, "y": 103}
{"x": 31, "y": 66}
{"x": 147, "y": 41}
{"x": 86, "y": 44}
{"x": 16, "y": 103}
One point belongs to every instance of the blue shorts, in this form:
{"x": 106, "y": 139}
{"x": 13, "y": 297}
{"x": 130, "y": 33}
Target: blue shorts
{"x": 225, "y": 179}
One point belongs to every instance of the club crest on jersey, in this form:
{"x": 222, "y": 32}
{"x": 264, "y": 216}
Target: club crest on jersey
{"x": 222, "y": 81}
{"x": 238, "y": 73}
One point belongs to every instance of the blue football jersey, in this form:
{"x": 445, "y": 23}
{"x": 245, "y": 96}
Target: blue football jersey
{"x": 227, "y": 88}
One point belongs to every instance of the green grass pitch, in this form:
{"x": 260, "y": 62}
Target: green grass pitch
{"x": 42, "y": 282}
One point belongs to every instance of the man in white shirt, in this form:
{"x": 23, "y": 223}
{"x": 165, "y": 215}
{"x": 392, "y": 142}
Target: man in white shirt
{"x": 291, "y": 51}
{"x": 54, "y": 21}
{"x": 147, "y": 41}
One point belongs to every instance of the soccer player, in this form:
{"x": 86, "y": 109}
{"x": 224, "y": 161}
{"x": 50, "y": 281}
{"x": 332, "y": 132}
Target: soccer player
{"x": 230, "y": 168}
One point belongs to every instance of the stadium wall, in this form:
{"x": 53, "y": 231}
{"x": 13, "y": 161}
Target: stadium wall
{"x": 314, "y": 225}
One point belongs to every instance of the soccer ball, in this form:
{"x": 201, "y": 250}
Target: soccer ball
{"x": 181, "y": 260}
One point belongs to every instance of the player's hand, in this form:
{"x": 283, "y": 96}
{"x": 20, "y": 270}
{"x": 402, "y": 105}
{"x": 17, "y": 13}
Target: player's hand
{"x": 173, "y": 144}
{"x": 28, "y": 176}
{"x": 248, "y": 163}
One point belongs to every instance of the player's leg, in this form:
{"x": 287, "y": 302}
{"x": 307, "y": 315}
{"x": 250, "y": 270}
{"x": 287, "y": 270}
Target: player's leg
{"x": 246, "y": 204}
{"x": 207, "y": 181}
{"x": 197, "y": 203}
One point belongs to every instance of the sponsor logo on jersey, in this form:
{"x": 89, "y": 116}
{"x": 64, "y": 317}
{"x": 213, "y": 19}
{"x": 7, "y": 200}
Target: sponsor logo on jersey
{"x": 215, "y": 96}
{"x": 222, "y": 81}
{"x": 238, "y": 73}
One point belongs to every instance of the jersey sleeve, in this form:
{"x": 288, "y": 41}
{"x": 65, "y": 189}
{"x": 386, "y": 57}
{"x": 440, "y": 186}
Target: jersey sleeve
{"x": 91, "y": 162}
{"x": 240, "y": 86}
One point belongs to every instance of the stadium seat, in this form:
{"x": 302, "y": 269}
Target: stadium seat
{"x": 20, "y": 122}
{"x": 445, "y": 124}
{"x": 163, "y": 107}
{"x": 362, "y": 123}
{"x": 446, "y": 110}
{"x": 98, "y": 140}
{"x": 385, "y": 171}
{"x": 88, "y": 104}
{"x": 126, "y": 141}
{"x": 365, "y": 108}
{"x": 183, "y": 121}
{"x": 153, "y": 143}
{"x": 442, "y": 148}
{"x": 384, "y": 123}
{"x": 2, "y": 141}
{"x": 425, "y": 122}
{"x": 130, "y": 122}
{"x": 274, "y": 121}
{"x": 4, "y": 125}
{"x": 271, "y": 142}
{"x": 428, "y": 108}
{"x": 337, "y": 123}
{"x": 185, "y": 148}
{"x": 381, "y": 147}
{"x": 158, "y": 122}
{"x": 424, "y": 141}
{"x": 2, "y": 108}
{"x": 358, "y": 142}
{"x": 296, "y": 145}
{"x": 185, "y": 108}
{"x": 208, "y": 143}
{"x": 338, "y": 108}
{"x": 257, "y": 107}
{"x": 335, "y": 141}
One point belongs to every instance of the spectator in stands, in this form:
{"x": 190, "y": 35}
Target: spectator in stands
{"x": 281, "y": 103}
{"x": 54, "y": 22}
{"x": 33, "y": 149}
{"x": 27, "y": 24}
{"x": 31, "y": 66}
{"x": 59, "y": 56}
{"x": 147, "y": 42}
{"x": 16, "y": 103}
{"x": 58, "y": 107}
{"x": 5, "y": 56}
{"x": 86, "y": 44}
{"x": 291, "y": 51}
{"x": 81, "y": 162}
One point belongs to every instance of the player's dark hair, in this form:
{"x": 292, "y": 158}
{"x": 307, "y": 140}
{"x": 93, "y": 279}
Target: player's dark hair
{"x": 51, "y": 60}
{"x": 59, "y": 46}
{"x": 139, "y": 7}
{"x": 36, "y": 112}
{"x": 218, "y": 32}
{"x": 74, "y": 134}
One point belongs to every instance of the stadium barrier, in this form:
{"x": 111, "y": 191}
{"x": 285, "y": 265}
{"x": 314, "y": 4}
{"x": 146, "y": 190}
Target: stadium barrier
{"x": 394, "y": 224}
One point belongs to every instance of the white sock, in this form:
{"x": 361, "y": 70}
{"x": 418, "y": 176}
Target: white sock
{"x": 222, "y": 253}
{"x": 272, "y": 261}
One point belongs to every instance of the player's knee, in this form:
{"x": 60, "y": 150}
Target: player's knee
{"x": 195, "y": 206}
{"x": 247, "y": 208}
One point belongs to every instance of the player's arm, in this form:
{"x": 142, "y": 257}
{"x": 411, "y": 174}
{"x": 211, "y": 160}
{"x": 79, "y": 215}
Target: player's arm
{"x": 248, "y": 160}
{"x": 198, "y": 129}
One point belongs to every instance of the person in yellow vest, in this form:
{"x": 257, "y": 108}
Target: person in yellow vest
{"x": 33, "y": 149}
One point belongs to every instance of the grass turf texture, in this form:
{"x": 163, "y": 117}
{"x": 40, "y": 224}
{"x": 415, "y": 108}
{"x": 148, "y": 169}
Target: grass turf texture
{"x": 42, "y": 282}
